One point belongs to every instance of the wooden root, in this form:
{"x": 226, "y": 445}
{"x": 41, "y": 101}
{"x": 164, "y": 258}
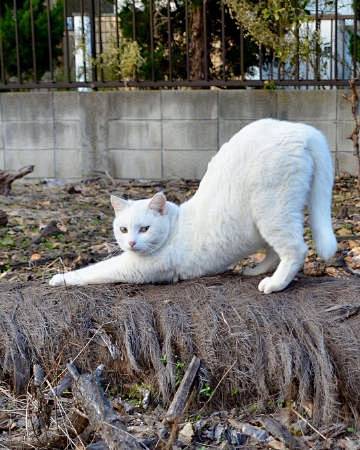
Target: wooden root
{"x": 102, "y": 417}
{"x": 7, "y": 178}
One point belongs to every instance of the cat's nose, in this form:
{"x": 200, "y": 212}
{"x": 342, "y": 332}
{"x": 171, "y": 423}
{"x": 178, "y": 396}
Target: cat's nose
{"x": 132, "y": 243}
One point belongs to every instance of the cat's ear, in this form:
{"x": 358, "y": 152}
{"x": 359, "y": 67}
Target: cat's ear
{"x": 158, "y": 203}
{"x": 119, "y": 204}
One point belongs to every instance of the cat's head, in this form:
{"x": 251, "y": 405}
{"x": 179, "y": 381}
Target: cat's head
{"x": 141, "y": 226}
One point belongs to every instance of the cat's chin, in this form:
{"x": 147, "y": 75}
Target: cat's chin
{"x": 141, "y": 251}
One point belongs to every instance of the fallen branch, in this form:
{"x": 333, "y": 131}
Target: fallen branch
{"x": 177, "y": 406}
{"x": 102, "y": 417}
{"x": 7, "y": 178}
{"x": 280, "y": 432}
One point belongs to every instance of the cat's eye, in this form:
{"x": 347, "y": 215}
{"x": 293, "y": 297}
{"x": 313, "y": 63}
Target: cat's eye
{"x": 123, "y": 229}
{"x": 143, "y": 229}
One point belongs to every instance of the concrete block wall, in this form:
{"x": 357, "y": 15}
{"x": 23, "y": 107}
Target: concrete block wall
{"x": 152, "y": 134}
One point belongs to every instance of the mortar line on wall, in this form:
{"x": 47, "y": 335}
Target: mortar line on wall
{"x": 161, "y": 135}
{"x": 337, "y": 165}
{"x": 182, "y": 149}
{"x": 54, "y": 135}
{"x": 3, "y": 132}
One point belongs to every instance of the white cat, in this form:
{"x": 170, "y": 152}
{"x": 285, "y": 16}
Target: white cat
{"x": 252, "y": 197}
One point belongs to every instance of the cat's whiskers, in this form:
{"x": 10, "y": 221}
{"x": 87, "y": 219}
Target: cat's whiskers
{"x": 114, "y": 252}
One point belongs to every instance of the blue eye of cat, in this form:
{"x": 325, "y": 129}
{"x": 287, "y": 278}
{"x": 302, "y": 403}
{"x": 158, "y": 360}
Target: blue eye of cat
{"x": 123, "y": 229}
{"x": 143, "y": 229}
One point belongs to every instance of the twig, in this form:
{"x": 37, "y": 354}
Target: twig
{"x": 84, "y": 347}
{"x": 77, "y": 417}
{"x": 217, "y": 386}
{"x": 51, "y": 438}
{"x": 309, "y": 424}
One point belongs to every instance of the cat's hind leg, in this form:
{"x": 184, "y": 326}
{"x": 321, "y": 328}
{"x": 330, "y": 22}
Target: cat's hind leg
{"x": 284, "y": 274}
{"x": 277, "y": 207}
{"x": 288, "y": 243}
{"x": 268, "y": 264}
{"x": 282, "y": 228}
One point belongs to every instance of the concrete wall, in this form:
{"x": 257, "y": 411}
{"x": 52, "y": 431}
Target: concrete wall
{"x": 152, "y": 134}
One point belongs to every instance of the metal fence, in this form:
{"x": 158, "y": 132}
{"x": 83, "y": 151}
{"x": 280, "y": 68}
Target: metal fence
{"x": 90, "y": 44}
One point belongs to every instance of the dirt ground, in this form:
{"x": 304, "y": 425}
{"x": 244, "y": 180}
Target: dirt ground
{"x": 52, "y": 227}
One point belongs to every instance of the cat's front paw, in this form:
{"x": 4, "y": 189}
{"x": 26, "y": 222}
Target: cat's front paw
{"x": 58, "y": 280}
{"x": 268, "y": 285}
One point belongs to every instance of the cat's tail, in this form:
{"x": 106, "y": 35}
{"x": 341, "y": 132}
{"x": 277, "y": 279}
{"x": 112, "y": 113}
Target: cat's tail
{"x": 320, "y": 196}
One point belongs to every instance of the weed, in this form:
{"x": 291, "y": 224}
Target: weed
{"x": 206, "y": 391}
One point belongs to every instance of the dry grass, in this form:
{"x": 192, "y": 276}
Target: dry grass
{"x": 285, "y": 346}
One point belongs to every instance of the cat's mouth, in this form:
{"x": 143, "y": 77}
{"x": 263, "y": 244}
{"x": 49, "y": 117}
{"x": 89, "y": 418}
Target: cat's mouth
{"x": 136, "y": 250}
{"x": 139, "y": 251}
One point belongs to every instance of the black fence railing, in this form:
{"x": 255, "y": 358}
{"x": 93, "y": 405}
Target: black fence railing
{"x": 165, "y": 43}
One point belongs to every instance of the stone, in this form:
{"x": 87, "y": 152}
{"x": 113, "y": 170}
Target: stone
{"x": 186, "y": 433}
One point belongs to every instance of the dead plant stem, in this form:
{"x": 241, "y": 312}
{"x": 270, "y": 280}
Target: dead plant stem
{"x": 309, "y": 424}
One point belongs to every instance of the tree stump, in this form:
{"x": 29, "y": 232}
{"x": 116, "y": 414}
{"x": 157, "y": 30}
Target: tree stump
{"x": 7, "y": 178}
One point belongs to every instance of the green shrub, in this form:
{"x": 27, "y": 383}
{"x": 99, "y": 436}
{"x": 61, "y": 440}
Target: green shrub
{"x": 7, "y": 33}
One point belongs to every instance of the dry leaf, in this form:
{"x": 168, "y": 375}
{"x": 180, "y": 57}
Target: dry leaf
{"x": 276, "y": 445}
{"x": 344, "y": 232}
{"x": 35, "y": 257}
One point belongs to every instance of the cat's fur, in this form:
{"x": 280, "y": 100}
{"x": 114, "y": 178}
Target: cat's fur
{"x": 252, "y": 197}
